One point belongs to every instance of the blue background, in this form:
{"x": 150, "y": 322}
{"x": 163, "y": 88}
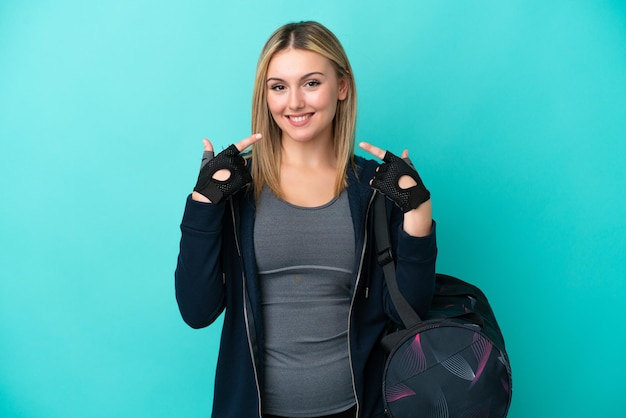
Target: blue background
{"x": 514, "y": 113}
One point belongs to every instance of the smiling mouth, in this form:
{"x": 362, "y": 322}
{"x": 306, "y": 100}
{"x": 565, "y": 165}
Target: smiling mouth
{"x": 299, "y": 118}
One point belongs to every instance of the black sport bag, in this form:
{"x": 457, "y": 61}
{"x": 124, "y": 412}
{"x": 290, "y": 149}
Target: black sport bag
{"x": 453, "y": 364}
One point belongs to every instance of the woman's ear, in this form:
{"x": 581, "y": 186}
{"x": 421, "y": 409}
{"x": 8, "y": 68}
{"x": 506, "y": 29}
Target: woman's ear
{"x": 343, "y": 88}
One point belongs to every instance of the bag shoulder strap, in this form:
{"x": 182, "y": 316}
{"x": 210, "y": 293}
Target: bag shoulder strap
{"x": 385, "y": 258}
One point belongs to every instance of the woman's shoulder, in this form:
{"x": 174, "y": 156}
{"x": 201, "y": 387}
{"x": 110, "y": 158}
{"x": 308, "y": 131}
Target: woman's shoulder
{"x": 365, "y": 167}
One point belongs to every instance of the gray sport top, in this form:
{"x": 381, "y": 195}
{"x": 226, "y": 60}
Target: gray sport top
{"x": 305, "y": 258}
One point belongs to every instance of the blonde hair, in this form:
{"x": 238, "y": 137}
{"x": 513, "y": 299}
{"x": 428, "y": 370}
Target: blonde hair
{"x": 308, "y": 36}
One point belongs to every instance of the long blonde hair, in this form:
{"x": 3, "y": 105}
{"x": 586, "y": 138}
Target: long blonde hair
{"x": 266, "y": 154}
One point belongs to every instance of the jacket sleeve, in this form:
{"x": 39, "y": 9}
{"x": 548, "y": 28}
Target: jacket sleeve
{"x": 415, "y": 267}
{"x": 198, "y": 276}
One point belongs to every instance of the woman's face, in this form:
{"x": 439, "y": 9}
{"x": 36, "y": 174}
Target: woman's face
{"x": 302, "y": 94}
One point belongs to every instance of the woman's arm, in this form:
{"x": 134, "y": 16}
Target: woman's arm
{"x": 198, "y": 276}
{"x": 412, "y": 229}
{"x": 419, "y": 222}
{"x": 415, "y": 258}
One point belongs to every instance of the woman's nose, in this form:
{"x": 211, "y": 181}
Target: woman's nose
{"x": 296, "y": 99}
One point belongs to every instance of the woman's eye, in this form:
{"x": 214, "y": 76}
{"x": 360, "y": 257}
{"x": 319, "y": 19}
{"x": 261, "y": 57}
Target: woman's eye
{"x": 278, "y": 87}
{"x": 312, "y": 83}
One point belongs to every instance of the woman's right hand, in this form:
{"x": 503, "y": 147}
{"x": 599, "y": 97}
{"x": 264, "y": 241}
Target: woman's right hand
{"x": 223, "y": 175}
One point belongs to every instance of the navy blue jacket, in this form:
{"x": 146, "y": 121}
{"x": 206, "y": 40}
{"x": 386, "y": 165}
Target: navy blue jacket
{"x": 217, "y": 273}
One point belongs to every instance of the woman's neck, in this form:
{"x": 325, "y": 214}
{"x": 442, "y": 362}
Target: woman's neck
{"x": 308, "y": 172}
{"x": 310, "y": 154}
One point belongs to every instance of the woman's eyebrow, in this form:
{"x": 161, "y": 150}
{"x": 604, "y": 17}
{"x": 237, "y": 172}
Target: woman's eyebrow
{"x": 274, "y": 79}
{"x": 307, "y": 75}
{"x": 311, "y": 74}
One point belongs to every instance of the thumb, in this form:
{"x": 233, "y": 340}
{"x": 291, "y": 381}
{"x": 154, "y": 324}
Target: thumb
{"x": 207, "y": 144}
{"x": 208, "y": 153}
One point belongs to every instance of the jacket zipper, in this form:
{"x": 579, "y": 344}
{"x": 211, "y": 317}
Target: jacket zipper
{"x": 356, "y": 286}
{"x": 245, "y": 312}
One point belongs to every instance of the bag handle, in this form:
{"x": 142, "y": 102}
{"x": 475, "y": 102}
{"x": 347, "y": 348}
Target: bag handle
{"x": 407, "y": 314}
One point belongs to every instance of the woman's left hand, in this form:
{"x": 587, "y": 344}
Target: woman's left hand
{"x": 397, "y": 179}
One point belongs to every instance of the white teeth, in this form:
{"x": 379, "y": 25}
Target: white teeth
{"x": 299, "y": 118}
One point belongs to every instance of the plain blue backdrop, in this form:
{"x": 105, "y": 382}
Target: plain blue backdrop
{"x": 514, "y": 113}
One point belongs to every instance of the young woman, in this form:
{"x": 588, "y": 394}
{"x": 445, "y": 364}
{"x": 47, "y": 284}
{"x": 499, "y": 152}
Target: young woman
{"x": 282, "y": 243}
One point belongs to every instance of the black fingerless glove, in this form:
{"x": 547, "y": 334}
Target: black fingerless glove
{"x": 218, "y": 190}
{"x": 386, "y": 181}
